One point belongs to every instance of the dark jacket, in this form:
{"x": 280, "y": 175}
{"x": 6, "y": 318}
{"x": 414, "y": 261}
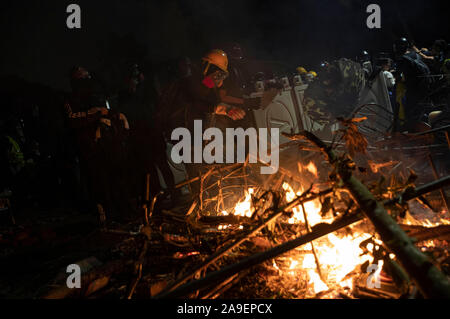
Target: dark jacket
{"x": 184, "y": 101}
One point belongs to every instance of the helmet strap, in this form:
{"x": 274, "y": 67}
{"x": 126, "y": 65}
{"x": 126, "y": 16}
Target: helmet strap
{"x": 206, "y": 68}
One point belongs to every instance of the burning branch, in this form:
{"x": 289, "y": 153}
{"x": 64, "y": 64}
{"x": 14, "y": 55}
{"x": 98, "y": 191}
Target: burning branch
{"x": 428, "y": 278}
{"x": 217, "y": 276}
{"x": 218, "y": 254}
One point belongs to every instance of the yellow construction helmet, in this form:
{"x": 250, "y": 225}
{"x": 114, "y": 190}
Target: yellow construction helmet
{"x": 314, "y": 74}
{"x": 218, "y": 58}
{"x": 301, "y": 70}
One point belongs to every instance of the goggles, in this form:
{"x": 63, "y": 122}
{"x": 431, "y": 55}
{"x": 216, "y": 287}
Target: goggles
{"x": 219, "y": 75}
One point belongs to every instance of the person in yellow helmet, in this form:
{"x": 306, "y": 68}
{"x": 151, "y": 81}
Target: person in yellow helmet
{"x": 310, "y": 76}
{"x": 204, "y": 100}
{"x": 214, "y": 68}
{"x": 215, "y": 57}
{"x": 196, "y": 97}
{"x": 303, "y": 73}
{"x": 215, "y": 71}
{"x": 301, "y": 70}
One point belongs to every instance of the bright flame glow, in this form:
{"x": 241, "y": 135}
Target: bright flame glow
{"x": 244, "y": 208}
{"x": 411, "y": 220}
{"x": 311, "y": 168}
{"x": 337, "y": 255}
{"x": 376, "y": 276}
{"x": 294, "y": 264}
{"x": 312, "y": 208}
{"x": 317, "y": 283}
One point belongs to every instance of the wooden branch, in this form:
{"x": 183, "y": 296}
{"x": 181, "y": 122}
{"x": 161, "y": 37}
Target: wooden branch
{"x": 421, "y": 233}
{"x": 139, "y": 264}
{"x": 107, "y": 270}
{"x": 308, "y": 229}
{"x": 435, "y": 130}
{"x": 411, "y": 193}
{"x": 428, "y": 278}
{"x": 146, "y": 232}
{"x": 239, "y": 167}
{"x": 317, "y": 232}
{"x": 221, "y": 287}
{"x": 194, "y": 179}
{"x": 218, "y": 254}
{"x": 217, "y": 276}
{"x": 441, "y": 191}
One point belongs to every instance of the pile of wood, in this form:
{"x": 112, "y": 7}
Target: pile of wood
{"x": 196, "y": 252}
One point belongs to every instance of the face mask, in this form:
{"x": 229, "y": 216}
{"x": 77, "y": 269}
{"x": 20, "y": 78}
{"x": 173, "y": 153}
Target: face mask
{"x": 215, "y": 79}
{"x": 208, "y": 82}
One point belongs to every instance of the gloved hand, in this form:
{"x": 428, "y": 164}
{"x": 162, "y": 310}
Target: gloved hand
{"x": 236, "y": 113}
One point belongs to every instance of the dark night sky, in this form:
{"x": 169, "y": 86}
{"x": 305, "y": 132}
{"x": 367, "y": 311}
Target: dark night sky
{"x": 38, "y": 46}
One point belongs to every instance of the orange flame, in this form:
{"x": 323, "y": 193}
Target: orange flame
{"x": 337, "y": 255}
{"x": 311, "y": 167}
{"x": 244, "y": 208}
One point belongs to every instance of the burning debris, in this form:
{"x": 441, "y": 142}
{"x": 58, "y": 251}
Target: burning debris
{"x": 289, "y": 236}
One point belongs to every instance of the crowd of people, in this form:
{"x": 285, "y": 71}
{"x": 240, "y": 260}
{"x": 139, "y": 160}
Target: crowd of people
{"x": 107, "y": 152}
{"x": 417, "y": 81}
{"x": 103, "y": 150}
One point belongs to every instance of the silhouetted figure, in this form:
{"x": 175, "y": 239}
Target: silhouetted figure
{"x": 100, "y": 139}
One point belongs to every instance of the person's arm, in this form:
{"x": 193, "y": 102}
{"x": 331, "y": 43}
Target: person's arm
{"x": 206, "y": 98}
{"x": 80, "y": 119}
{"x": 208, "y": 101}
{"x": 229, "y": 99}
{"x": 233, "y": 112}
{"x": 390, "y": 80}
{"x": 422, "y": 55}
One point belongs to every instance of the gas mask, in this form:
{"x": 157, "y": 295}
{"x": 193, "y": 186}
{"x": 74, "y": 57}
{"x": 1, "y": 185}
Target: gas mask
{"x": 215, "y": 79}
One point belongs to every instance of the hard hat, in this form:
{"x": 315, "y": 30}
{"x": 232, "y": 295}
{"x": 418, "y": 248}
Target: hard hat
{"x": 301, "y": 70}
{"x": 324, "y": 65}
{"x": 314, "y": 74}
{"x": 364, "y": 56}
{"x": 218, "y": 58}
{"x": 401, "y": 45}
{"x": 324, "y": 68}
